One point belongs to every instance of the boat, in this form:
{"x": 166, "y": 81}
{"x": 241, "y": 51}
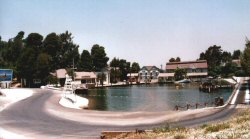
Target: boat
{"x": 183, "y": 81}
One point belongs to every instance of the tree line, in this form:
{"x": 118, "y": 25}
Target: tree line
{"x": 220, "y": 62}
{"x": 35, "y": 57}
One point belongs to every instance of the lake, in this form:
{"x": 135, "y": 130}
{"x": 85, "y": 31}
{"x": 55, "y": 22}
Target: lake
{"x": 151, "y": 97}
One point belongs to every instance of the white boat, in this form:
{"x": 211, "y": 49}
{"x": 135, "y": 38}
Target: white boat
{"x": 183, "y": 81}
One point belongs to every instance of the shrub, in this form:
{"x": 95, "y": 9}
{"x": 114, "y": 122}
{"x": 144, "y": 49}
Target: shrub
{"x": 216, "y": 128}
{"x": 179, "y": 137}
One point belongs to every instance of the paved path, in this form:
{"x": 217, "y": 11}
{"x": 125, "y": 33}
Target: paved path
{"x": 40, "y": 116}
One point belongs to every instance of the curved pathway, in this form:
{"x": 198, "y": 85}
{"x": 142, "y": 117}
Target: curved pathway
{"x": 41, "y": 116}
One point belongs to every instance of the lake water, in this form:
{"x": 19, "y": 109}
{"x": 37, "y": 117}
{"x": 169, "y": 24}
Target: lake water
{"x": 150, "y": 97}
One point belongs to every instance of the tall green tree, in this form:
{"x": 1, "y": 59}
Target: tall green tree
{"x": 99, "y": 57}
{"x": 178, "y": 59}
{"x": 52, "y": 47}
{"x": 236, "y": 54}
{"x": 179, "y": 74}
{"x": 213, "y": 55}
{"x": 229, "y": 69}
{"x": 135, "y": 67}
{"x": 85, "y": 63}
{"x": 26, "y": 65}
{"x": 42, "y": 69}
{"x": 245, "y": 59}
{"x": 226, "y": 57}
{"x": 34, "y": 39}
{"x": 171, "y": 59}
{"x": 69, "y": 51}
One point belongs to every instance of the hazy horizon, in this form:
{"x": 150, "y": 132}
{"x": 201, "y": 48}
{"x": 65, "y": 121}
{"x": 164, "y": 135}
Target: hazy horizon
{"x": 143, "y": 31}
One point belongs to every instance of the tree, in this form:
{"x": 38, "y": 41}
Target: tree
{"x": 69, "y": 51}
{"x": 115, "y": 73}
{"x": 213, "y": 55}
{"x": 99, "y": 57}
{"x": 42, "y": 67}
{"x": 26, "y": 65}
{"x": 245, "y": 59}
{"x": 101, "y": 77}
{"x": 85, "y": 63}
{"x": 179, "y": 74}
{"x": 229, "y": 69}
{"x": 178, "y": 59}
{"x": 53, "y": 46}
{"x": 226, "y": 57}
{"x": 135, "y": 67}
{"x": 236, "y": 54}
{"x": 171, "y": 59}
{"x": 34, "y": 39}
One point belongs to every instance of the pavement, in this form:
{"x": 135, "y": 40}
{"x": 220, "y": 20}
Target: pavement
{"x": 41, "y": 116}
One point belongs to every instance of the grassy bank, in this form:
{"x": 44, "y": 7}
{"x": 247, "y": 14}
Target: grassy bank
{"x": 236, "y": 127}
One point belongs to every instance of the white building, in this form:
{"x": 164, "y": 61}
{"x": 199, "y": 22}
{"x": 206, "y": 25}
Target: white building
{"x": 148, "y": 74}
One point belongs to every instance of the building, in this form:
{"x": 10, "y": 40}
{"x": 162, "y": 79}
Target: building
{"x": 148, "y": 74}
{"x": 133, "y": 77}
{"x": 105, "y": 74}
{"x": 196, "y": 70}
{"x": 86, "y": 78}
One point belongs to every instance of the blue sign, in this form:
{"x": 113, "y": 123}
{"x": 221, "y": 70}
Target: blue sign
{"x": 6, "y": 75}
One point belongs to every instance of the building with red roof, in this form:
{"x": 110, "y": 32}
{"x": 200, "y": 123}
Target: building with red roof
{"x": 195, "y": 69}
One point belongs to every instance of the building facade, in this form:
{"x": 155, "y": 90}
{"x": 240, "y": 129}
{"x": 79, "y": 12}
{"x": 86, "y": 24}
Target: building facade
{"x": 196, "y": 70}
{"x": 148, "y": 74}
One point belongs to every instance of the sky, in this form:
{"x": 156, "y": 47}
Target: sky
{"x": 149, "y": 32}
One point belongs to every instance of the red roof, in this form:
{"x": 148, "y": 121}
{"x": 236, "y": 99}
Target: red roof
{"x": 202, "y": 64}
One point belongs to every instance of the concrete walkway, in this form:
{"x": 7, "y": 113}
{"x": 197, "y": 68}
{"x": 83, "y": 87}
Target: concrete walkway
{"x": 41, "y": 116}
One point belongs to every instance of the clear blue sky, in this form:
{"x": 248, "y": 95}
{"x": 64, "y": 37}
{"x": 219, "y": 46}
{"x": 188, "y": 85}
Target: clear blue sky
{"x": 146, "y": 31}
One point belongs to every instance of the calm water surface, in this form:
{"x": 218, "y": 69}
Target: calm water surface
{"x": 150, "y": 97}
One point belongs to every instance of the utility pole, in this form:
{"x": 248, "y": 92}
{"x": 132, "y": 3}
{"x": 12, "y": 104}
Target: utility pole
{"x": 73, "y": 68}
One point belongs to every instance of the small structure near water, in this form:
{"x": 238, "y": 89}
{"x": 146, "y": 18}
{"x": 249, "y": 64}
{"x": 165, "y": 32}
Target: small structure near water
{"x": 208, "y": 87}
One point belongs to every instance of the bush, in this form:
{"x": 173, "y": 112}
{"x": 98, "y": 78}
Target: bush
{"x": 216, "y": 128}
{"x": 179, "y": 137}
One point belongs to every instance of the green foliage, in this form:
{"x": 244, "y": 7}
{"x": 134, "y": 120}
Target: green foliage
{"x": 216, "y": 57}
{"x": 178, "y": 59}
{"x": 34, "y": 39}
{"x": 171, "y": 59}
{"x": 52, "y": 79}
{"x": 135, "y": 67}
{"x": 99, "y": 57}
{"x": 34, "y": 58}
{"x": 228, "y": 69}
{"x": 217, "y": 127}
{"x": 180, "y": 74}
{"x": 42, "y": 68}
{"x": 236, "y": 54}
{"x": 68, "y": 53}
{"x": 245, "y": 59}
{"x": 226, "y": 57}
{"x": 163, "y": 129}
{"x": 85, "y": 63}
{"x": 213, "y": 56}
{"x": 101, "y": 77}
{"x": 26, "y": 64}
{"x": 120, "y": 68}
{"x": 179, "y": 137}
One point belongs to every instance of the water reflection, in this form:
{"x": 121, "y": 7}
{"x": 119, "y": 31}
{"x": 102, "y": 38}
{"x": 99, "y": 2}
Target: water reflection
{"x": 150, "y": 97}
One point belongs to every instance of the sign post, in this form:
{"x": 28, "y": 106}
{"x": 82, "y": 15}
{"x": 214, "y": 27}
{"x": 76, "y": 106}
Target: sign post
{"x": 6, "y": 76}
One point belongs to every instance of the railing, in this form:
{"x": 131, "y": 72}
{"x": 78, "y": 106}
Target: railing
{"x": 218, "y": 102}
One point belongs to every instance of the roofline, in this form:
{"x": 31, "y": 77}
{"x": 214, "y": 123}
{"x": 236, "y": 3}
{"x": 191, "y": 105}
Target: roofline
{"x": 186, "y": 62}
